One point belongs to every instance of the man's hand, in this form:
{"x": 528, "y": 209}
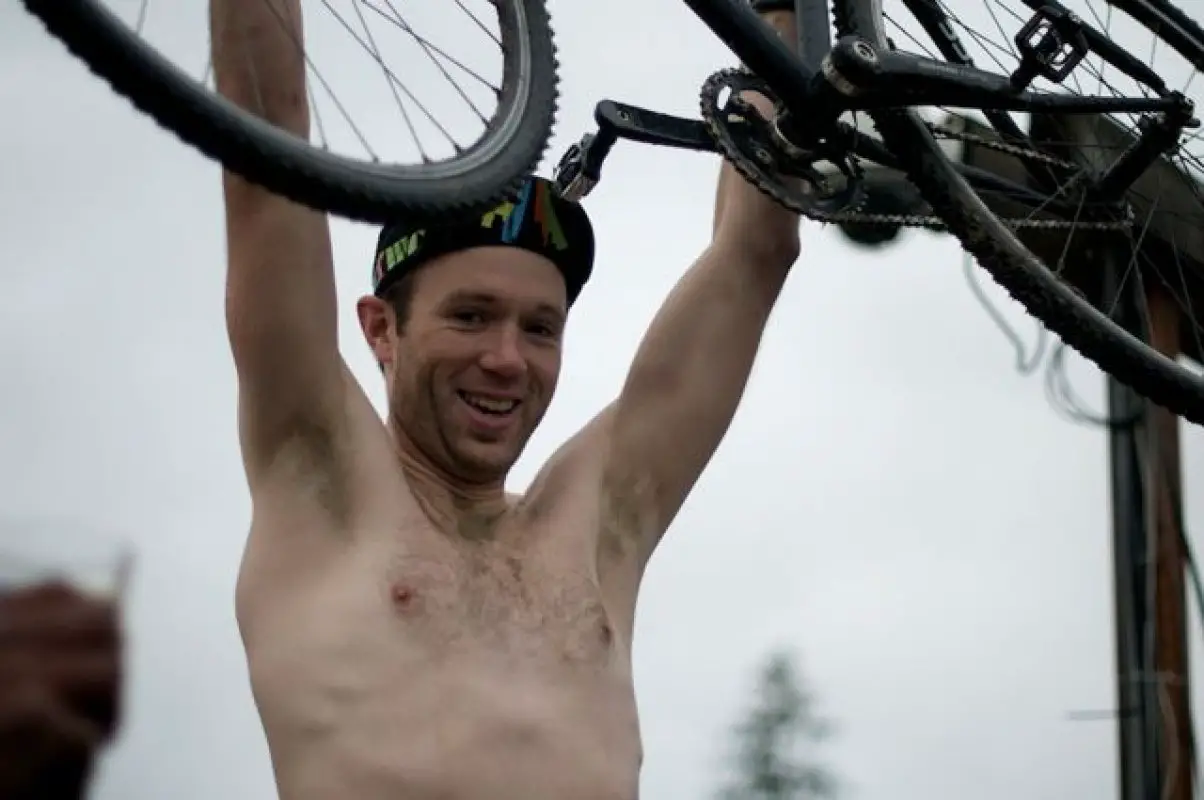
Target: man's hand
{"x": 60, "y": 682}
{"x": 746, "y": 220}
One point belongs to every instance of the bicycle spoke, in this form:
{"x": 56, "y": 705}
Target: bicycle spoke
{"x": 439, "y": 66}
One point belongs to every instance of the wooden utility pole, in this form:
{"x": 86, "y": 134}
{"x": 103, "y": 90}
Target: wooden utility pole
{"x": 1164, "y": 488}
{"x": 1136, "y": 703}
{"x": 1150, "y": 559}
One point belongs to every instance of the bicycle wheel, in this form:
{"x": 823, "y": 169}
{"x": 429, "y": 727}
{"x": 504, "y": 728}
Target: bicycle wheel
{"x": 447, "y": 174}
{"x": 1091, "y": 328}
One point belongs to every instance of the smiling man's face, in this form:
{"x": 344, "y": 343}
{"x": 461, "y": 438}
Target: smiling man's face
{"x": 475, "y": 364}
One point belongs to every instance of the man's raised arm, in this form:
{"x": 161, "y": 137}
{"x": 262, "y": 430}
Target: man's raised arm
{"x": 280, "y": 294}
{"x": 693, "y": 364}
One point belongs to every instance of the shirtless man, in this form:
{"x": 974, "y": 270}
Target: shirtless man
{"x": 411, "y": 631}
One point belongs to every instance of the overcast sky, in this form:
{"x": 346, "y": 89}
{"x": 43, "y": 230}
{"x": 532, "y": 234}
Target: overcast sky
{"x": 893, "y": 501}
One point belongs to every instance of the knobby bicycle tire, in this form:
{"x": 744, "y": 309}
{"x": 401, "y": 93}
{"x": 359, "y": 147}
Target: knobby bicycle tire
{"x": 1009, "y": 262}
{"x": 511, "y": 147}
{"x": 1170, "y": 24}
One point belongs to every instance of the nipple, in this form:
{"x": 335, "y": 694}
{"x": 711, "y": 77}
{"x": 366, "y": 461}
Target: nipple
{"x": 403, "y": 595}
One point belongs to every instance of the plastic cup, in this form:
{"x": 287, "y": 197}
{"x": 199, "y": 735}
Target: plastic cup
{"x": 38, "y": 551}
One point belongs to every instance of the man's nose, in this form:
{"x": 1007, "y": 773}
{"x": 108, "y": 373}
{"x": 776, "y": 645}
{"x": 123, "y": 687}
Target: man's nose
{"x": 504, "y": 356}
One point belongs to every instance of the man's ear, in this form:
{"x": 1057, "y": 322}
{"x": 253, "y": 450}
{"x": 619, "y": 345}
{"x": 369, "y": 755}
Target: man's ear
{"x": 376, "y": 321}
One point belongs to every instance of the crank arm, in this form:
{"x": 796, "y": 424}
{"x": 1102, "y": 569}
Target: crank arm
{"x": 652, "y": 127}
{"x": 580, "y": 168}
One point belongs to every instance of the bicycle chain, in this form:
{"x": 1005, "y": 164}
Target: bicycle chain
{"x": 755, "y": 174}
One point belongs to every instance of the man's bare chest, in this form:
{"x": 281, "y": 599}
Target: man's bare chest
{"x": 401, "y": 590}
{"x": 532, "y": 600}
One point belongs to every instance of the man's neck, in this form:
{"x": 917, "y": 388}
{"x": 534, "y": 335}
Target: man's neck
{"x": 471, "y": 510}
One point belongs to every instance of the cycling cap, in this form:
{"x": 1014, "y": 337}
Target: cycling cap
{"x": 537, "y": 219}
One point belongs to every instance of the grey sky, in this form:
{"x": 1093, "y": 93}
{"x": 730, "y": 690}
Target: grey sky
{"x": 893, "y": 500}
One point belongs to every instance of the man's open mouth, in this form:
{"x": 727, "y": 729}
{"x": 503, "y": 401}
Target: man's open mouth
{"x": 489, "y": 405}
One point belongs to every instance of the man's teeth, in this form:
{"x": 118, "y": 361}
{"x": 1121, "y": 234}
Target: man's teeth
{"x": 491, "y": 405}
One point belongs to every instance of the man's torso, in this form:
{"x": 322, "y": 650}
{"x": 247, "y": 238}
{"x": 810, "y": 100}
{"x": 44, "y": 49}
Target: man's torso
{"x": 394, "y": 660}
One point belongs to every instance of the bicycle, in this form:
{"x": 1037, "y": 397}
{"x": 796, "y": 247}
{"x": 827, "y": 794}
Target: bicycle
{"x": 808, "y": 156}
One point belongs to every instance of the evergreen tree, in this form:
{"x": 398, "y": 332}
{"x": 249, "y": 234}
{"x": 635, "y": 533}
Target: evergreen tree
{"x": 774, "y": 744}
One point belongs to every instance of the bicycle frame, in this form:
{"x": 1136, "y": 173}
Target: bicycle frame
{"x": 760, "y": 49}
{"x": 825, "y": 79}
{"x": 898, "y": 79}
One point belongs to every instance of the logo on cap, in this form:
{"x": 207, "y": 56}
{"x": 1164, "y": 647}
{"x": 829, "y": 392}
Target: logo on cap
{"x": 513, "y": 214}
{"x": 398, "y": 252}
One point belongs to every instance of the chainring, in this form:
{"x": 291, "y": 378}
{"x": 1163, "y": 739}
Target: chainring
{"x": 747, "y": 141}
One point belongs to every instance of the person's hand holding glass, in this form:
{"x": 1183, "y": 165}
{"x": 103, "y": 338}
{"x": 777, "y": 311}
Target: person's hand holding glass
{"x": 60, "y": 656}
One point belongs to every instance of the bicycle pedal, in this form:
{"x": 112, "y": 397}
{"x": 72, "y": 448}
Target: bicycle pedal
{"x": 1051, "y": 45}
{"x": 576, "y": 189}
{"x": 570, "y": 179}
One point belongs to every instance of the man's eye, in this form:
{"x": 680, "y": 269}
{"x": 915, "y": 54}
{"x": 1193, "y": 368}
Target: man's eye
{"x": 542, "y": 330}
{"x": 469, "y": 317}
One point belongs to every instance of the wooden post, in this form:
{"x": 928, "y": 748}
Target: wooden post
{"x": 1164, "y": 488}
{"x": 1137, "y": 704}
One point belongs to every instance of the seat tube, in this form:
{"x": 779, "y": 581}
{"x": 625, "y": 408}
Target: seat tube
{"x": 813, "y": 30}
